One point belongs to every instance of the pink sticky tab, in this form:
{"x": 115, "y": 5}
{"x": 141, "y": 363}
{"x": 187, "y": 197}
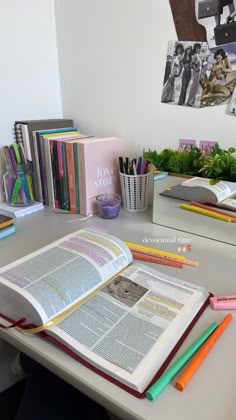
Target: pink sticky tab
{"x": 223, "y": 302}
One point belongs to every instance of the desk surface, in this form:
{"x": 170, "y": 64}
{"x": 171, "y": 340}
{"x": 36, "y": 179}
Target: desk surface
{"x": 211, "y": 392}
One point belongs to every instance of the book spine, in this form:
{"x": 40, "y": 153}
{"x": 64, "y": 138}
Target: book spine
{"x": 76, "y": 169}
{"x": 71, "y": 176}
{"x": 37, "y": 177}
{"x": 55, "y": 172}
{"x": 32, "y": 165}
{"x": 65, "y": 178}
{"x": 60, "y": 172}
{"x": 42, "y": 168}
{"x": 82, "y": 186}
{"x": 49, "y": 175}
{"x": 26, "y": 142}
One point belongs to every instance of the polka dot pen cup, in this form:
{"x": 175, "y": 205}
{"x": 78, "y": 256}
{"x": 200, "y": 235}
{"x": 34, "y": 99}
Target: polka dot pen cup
{"x": 135, "y": 191}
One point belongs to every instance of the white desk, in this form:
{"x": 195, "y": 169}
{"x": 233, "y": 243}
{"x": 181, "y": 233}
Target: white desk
{"x": 211, "y": 392}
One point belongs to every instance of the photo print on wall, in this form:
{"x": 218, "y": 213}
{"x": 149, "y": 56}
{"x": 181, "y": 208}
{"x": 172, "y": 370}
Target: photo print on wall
{"x": 186, "y": 64}
{"x": 220, "y": 76}
{"x": 231, "y": 109}
{"x": 218, "y": 17}
{"x": 185, "y": 145}
{"x": 213, "y": 21}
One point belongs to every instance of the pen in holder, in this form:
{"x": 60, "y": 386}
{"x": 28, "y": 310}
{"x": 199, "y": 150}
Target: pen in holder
{"x": 18, "y": 188}
{"x": 135, "y": 191}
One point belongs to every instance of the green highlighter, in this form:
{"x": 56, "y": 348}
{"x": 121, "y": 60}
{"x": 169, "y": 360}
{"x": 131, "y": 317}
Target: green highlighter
{"x": 16, "y": 190}
{"x": 165, "y": 379}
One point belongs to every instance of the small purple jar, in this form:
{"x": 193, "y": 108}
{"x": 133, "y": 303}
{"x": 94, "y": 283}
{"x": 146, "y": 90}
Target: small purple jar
{"x": 108, "y": 205}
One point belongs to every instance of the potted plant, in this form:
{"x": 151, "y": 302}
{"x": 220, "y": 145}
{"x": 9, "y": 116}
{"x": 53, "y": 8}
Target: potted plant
{"x": 216, "y": 163}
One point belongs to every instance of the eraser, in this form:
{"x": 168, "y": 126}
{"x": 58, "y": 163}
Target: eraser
{"x": 223, "y": 302}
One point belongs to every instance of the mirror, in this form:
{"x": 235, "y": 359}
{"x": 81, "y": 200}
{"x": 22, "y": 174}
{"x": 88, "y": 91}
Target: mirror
{"x": 166, "y": 212}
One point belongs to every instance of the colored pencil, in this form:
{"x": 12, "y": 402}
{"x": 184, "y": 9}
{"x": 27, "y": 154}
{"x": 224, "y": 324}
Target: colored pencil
{"x": 147, "y": 248}
{"x": 197, "y": 360}
{"x": 156, "y": 260}
{"x": 170, "y": 373}
{"x": 223, "y": 213}
{"x": 161, "y": 254}
{"x": 205, "y": 212}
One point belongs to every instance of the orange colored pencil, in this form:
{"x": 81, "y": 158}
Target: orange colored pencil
{"x": 157, "y": 260}
{"x": 187, "y": 374}
{"x": 160, "y": 254}
{"x": 162, "y": 257}
{"x": 223, "y": 213}
{"x": 157, "y": 252}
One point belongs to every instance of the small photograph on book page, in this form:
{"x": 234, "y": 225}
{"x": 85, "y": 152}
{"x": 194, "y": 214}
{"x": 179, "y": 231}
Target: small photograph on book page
{"x": 125, "y": 290}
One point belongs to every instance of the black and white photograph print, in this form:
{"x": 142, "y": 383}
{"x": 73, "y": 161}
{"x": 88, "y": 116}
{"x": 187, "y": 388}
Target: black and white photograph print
{"x": 231, "y": 109}
{"x": 184, "y": 72}
{"x": 219, "y": 19}
{"x": 125, "y": 290}
{"x": 220, "y": 76}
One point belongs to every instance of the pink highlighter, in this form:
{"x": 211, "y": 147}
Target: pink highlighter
{"x": 223, "y": 302}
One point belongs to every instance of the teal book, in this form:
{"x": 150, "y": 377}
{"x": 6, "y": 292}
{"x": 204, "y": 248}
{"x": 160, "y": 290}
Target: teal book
{"x": 7, "y": 231}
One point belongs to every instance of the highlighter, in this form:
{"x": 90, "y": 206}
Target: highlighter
{"x": 223, "y": 302}
{"x": 16, "y": 190}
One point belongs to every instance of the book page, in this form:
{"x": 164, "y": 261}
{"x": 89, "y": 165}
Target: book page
{"x": 59, "y": 275}
{"x": 130, "y": 326}
{"x": 221, "y": 189}
{"x": 229, "y": 203}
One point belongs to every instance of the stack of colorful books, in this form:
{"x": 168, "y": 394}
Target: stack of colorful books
{"x": 69, "y": 168}
{"x": 7, "y": 226}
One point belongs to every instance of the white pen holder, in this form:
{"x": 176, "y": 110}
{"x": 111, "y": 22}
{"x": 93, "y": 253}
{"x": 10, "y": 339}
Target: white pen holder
{"x": 135, "y": 191}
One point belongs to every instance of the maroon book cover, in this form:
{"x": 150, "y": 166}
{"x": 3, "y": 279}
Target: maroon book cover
{"x": 115, "y": 381}
{"x": 126, "y": 388}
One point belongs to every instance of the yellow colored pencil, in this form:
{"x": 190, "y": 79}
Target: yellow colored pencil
{"x": 156, "y": 251}
{"x": 205, "y": 212}
{"x": 161, "y": 254}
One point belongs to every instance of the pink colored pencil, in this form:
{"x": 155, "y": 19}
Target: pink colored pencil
{"x": 223, "y": 213}
{"x": 156, "y": 260}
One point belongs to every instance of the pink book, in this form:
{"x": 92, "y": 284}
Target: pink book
{"x": 98, "y": 170}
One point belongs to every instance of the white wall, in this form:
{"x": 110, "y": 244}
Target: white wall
{"x": 29, "y": 77}
{"x": 29, "y": 86}
{"x": 112, "y": 57}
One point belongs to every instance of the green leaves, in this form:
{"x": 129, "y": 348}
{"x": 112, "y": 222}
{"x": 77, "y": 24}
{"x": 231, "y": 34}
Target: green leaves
{"x": 219, "y": 164}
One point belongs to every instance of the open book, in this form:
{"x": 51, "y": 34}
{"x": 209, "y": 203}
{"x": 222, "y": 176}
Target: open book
{"x": 121, "y": 319}
{"x": 222, "y": 194}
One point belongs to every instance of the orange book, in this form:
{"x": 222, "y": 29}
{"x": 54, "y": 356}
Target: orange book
{"x": 5, "y": 221}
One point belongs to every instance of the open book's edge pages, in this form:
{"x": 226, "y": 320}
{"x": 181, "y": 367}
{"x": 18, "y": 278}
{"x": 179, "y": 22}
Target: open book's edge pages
{"x": 200, "y": 190}
{"x": 61, "y": 274}
{"x": 228, "y": 203}
{"x": 129, "y": 327}
{"x": 221, "y": 190}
